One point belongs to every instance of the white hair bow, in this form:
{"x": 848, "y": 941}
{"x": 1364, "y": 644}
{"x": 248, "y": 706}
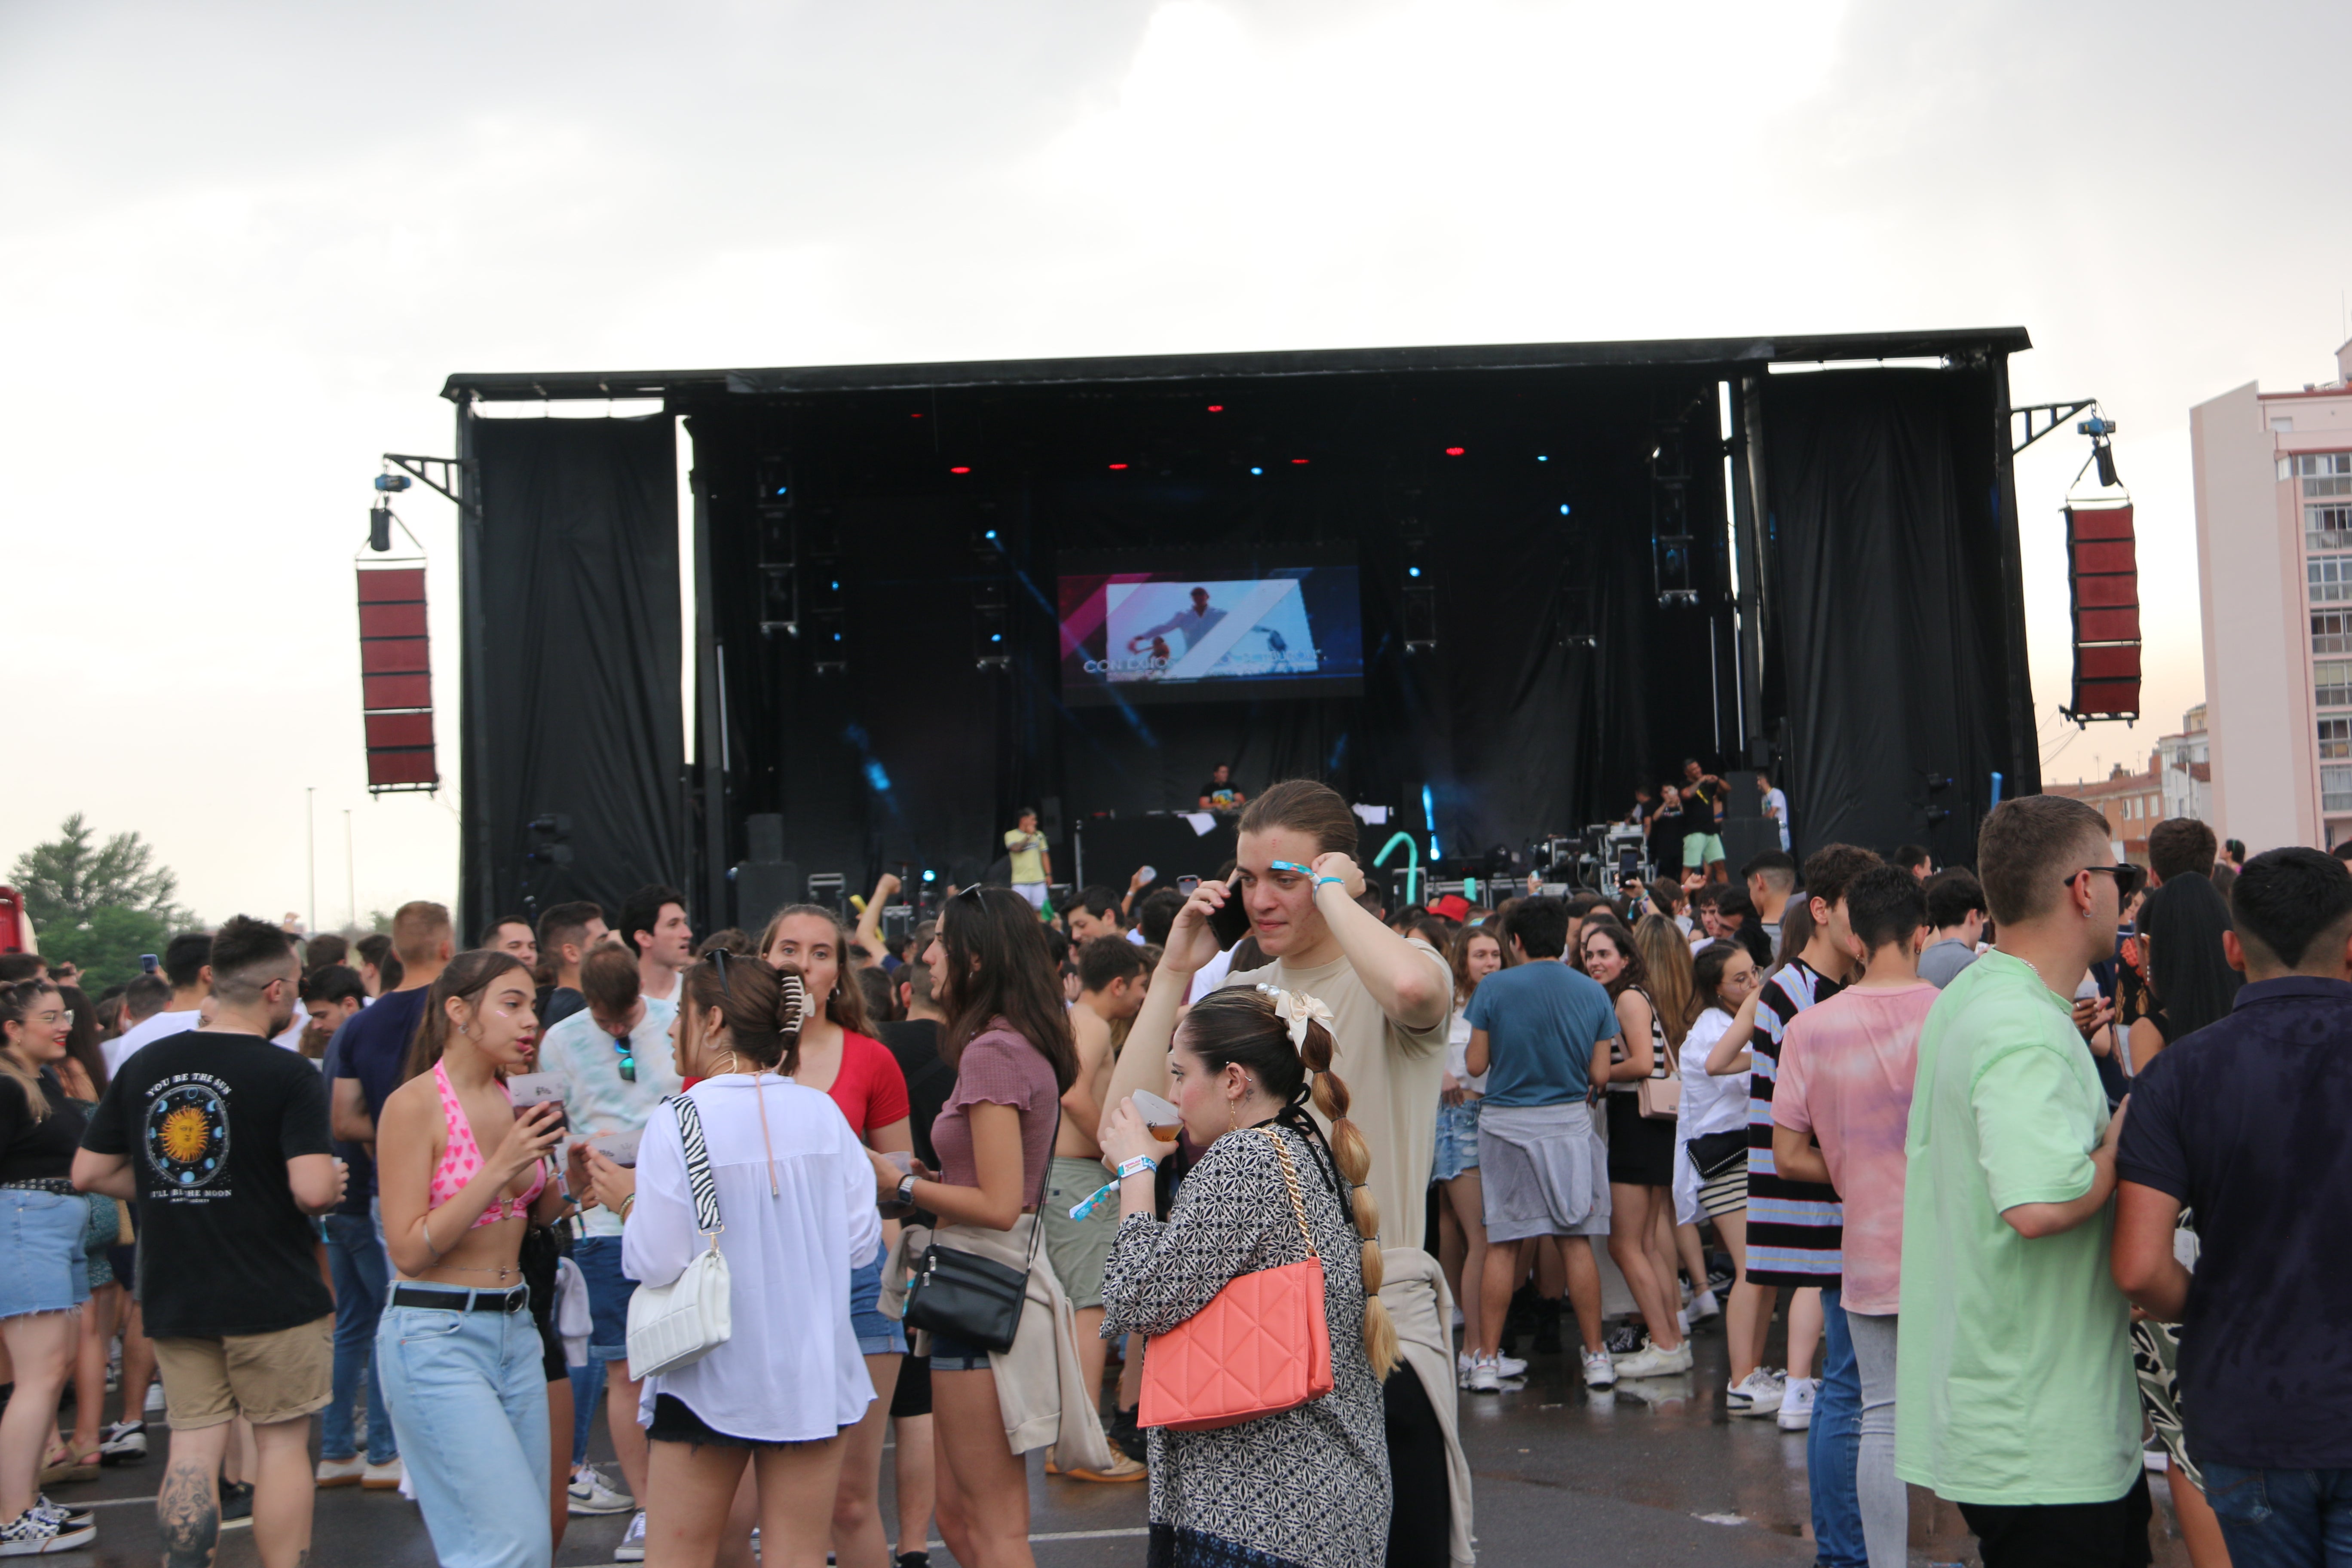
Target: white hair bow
{"x": 1297, "y": 1011}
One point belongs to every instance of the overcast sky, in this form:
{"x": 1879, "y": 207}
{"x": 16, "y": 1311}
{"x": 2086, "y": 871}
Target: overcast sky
{"x": 242, "y": 244}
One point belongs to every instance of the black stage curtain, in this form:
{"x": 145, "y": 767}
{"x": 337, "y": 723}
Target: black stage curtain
{"x": 1886, "y": 590}
{"x": 571, "y": 658}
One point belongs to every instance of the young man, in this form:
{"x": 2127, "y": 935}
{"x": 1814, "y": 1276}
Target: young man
{"x": 1702, "y": 820}
{"x": 1771, "y": 879}
{"x": 2015, "y": 1396}
{"x": 1390, "y": 999}
{"x": 334, "y": 994}
{"x": 1914, "y": 859}
{"x": 357, "y": 1265}
{"x": 617, "y": 1062}
{"x": 375, "y": 1044}
{"x": 1839, "y": 1110}
{"x": 653, "y": 930}
{"x": 1542, "y": 1038}
{"x": 1792, "y": 1231}
{"x": 183, "y": 969}
{"x": 233, "y": 1159}
{"x": 566, "y": 932}
{"x": 1112, "y": 983}
{"x": 379, "y": 970}
{"x": 1095, "y": 914}
{"x": 512, "y": 934}
{"x": 1033, "y": 862}
{"x": 2242, "y": 1122}
{"x": 1776, "y": 807}
{"x": 1219, "y": 794}
{"x": 2180, "y": 847}
{"x": 1956, "y": 909}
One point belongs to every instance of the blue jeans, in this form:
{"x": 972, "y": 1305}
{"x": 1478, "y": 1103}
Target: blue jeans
{"x": 2282, "y": 1519}
{"x": 355, "y": 1260}
{"x": 468, "y": 1397}
{"x": 587, "y": 1387}
{"x": 1833, "y": 1446}
{"x": 609, "y": 1289}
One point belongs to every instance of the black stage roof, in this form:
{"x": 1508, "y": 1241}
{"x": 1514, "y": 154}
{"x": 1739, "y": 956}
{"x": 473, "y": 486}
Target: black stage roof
{"x": 556, "y": 385}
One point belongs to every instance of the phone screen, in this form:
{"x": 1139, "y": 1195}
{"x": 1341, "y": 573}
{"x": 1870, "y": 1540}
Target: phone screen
{"x": 1188, "y": 886}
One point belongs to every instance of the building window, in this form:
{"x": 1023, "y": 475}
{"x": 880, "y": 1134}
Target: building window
{"x": 2330, "y": 577}
{"x": 2336, "y": 737}
{"x": 2331, "y": 682}
{"x": 2324, "y": 473}
{"x": 2327, "y": 527}
{"x": 2335, "y": 787}
{"x": 2331, "y": 632}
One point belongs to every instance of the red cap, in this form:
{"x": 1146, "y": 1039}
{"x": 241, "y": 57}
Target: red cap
{"x": 1453, "y": 907}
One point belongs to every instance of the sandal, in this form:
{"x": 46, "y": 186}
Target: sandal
{"x": 62, "y": 1466}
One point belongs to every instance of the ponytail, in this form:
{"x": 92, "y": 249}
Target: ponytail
{"x": 1253, "y": 1026}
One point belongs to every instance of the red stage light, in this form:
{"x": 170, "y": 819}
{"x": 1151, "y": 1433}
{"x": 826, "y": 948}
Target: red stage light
{"x": 1217, "y": 408}
{"x": 1299, "y": 461}
{"x": 1453, "y": 451}
{"x": 1117, "y": 466}
{"x": 959, "y": 471}
{"x": 914, "y": 416}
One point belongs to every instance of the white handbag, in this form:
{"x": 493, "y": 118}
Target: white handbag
{"x": 679, "y": 1323}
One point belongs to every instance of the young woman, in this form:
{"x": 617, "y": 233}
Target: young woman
{"x": 1641, "y": 1149}
{"x": 796, "y": 1208}
{"x": 1713, "y": 1127}
{"x": 838, "y": 1057}
{"x": 1667, "y": 960}
{"x": 1009, "y": 1039}
{"x": 1307, "y": 1488}
{"x": 461, "y": 1177}
{"x": 82, "y": 1072}
{"x": 1460, "y": 1206}
{"x": 42, "y": 1224}
{"x": 2192, "y": 984}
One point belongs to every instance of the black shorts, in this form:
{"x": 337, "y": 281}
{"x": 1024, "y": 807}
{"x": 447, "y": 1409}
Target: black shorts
{"x": 2064, "y": 1536}
{"x": 675, "y": 1422}
{"x": 1641, "y": 1151}
{"x": 913, "y": 1395}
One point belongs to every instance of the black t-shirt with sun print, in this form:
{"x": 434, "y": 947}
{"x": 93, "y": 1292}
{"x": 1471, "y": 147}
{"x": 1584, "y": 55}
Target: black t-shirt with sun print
{"x": 208, "y": 1121}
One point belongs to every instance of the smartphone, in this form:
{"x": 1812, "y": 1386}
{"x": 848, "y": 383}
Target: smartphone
{"x": 1188, "y": 886}
{"x": 147, "y": 963}
{"x": 531, "y": 1089}
{"x": 1231, "y": 923}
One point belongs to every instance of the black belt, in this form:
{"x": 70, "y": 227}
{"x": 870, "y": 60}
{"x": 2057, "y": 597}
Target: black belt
{"x": 61, "y": 1185}
{"x": 514, "y": 1298}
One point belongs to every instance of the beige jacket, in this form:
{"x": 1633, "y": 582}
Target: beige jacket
{"x": 1422, "y": 1310}
{"x": 1039, "y": 1385}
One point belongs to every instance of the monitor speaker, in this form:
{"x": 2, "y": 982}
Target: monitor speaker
{"x": 1745, "y": 837}
{"x": 762, "y": 888}
{"x": 1740, "y": 798}
{"x": 763, "y": 836}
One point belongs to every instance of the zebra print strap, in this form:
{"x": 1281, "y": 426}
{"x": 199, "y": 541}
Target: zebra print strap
{"x": 697, "y": 1166}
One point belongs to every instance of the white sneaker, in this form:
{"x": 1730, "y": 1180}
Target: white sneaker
{"x": 35, "y": 1533}
{"x": 155, "y": 1398}
{"x": 591, "y": 1493}
{"x": 1758, "y": 1394}
{"x": 1652, "y": 1362}
{"x": 1463, "y": 1362}
{"x": 340, "y": 1472}
{"x": 1797, "y": 1405}
{"x": 633, "y": 1543}
{"x": 1510, "y": 1366}
{"x": 384, "y": 1477}
{"x": 1600, "y": 1371}
{"x": 1681, "y": 1322}
{"x": 122, "y": 1443}
{"x": 1705, "y": 1307}
{"x": 1485, "y": 1376}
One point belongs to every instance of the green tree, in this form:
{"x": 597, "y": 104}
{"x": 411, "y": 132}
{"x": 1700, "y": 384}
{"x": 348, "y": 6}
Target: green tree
{"x": 99, "y": 905}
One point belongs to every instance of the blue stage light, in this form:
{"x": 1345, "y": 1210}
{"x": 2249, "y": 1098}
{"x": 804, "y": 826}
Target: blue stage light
{"x": 930, "y": 875}
{"x": 1563, "y": 509}
{"x": 1258, "y": 470}
{"x": 1541, "y": 458}
{"x": 989, "y": 534}
{"x": 1413, "y": 571}
{"x": 779, "y": 490}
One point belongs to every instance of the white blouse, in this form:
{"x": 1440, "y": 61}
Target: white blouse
{"x": 1710, "y": 1104}
{"x": 790, "y": 1371}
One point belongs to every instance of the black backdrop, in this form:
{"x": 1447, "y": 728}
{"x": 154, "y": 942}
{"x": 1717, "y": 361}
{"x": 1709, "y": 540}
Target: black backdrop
{"x": 571, "y": 656}
{"x": 1879, "y": 597}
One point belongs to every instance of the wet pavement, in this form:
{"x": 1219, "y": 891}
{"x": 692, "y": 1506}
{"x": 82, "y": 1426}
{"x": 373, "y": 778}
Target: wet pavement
{"x": 1656, "y": 1473}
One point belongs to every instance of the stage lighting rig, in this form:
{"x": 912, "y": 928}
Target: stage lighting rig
{"x": 2101, "y": 430}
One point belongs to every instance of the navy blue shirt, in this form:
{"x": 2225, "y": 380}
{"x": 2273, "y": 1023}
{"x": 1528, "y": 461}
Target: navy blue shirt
{"x": 355, "y": 1155}
{"x": 1542, "y": 1020}
{"x": 375, "y": 1048}
{"x": 2244, "y": 1121}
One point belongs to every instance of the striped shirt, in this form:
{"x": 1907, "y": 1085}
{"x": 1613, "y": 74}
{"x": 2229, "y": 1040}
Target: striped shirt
{"x": 1795, "y": 1229}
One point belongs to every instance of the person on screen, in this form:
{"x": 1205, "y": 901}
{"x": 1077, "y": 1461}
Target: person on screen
{"x": 1219, "y": 794}
{"x": 1194, "y": 624}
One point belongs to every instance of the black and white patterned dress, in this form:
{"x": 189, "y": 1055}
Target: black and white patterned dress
{"x": 1307, "y": 1488}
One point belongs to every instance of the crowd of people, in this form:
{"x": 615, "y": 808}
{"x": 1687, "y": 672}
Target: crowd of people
{"x": 769, "y": 1200}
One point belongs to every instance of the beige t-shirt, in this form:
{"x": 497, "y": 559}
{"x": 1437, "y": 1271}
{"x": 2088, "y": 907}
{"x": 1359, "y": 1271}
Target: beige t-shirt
{"x": 1393, "y": 1076}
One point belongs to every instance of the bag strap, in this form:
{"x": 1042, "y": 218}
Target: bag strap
{"x": 698, "y": 1167}
{"x": 1045, "y": 1177}
{"x": 1290, "y": 1182}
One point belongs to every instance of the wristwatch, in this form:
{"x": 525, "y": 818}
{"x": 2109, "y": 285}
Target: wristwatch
{"x": 907, "y": 1189}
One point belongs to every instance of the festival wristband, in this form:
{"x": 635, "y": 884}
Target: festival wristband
{"x": 1290, "y": 866}
{"x": 1137, "y": 1167}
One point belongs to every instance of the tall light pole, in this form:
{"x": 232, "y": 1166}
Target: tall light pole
{"x": 311, "y": 849}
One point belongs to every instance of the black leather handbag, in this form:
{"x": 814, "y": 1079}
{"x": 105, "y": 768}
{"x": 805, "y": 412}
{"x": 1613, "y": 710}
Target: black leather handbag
{"x": 974, "y": 1298}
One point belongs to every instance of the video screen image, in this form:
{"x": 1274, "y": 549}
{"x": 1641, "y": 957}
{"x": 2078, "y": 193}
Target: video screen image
{"x": 1156, "y": 635}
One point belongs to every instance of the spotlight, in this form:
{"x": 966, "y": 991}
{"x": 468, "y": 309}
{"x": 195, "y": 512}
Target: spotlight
{"x": 1217, "y": 408}
{"x": 1258, "y": 470}
{"x": 1563, "y": 509}
{"x": 392, "y": 483}
{"x": 1116, "y": 467}
{"x": 1453, "y": 451}
{"x": 2101, "y": 430}
{"x": 959, "y": 471}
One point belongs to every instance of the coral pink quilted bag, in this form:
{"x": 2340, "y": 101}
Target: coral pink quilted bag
{"x": 1260, "y": 1347}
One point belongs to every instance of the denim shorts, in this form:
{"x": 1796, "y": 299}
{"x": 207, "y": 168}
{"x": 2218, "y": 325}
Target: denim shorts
{"x": 609, "y": 1289}
{"x": 41, "y": 1236}
{"x": 876, "y": 1336}
{"x": 953, "y": 1353}
{"x": 1457, "y": 1141}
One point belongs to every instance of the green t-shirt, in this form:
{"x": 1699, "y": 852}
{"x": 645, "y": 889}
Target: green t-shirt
{"x": 2015, "y": 1381}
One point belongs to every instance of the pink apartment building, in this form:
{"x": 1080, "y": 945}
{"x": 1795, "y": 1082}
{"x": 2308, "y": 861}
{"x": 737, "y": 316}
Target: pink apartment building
{"x": 2274, "y": 473}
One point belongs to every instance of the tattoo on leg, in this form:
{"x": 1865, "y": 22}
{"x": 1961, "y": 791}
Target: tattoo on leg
{"x": 188, "y": 1517}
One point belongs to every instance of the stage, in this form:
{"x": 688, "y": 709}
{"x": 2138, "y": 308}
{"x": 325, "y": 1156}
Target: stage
{"x": 1570, "y": 566}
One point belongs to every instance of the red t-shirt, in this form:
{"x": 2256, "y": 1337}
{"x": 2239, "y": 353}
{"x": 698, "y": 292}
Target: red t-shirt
{"x": 870, "y": 1088}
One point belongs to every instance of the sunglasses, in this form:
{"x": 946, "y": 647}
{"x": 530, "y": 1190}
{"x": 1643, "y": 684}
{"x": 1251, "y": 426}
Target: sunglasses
{"x": 2127, "y": 877}
{"x": 628, "y": 1054}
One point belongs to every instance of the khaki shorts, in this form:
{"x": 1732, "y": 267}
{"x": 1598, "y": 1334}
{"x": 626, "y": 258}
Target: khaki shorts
{"x": 265, "y": 1378}
{"x": 1079, "y": 1250}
